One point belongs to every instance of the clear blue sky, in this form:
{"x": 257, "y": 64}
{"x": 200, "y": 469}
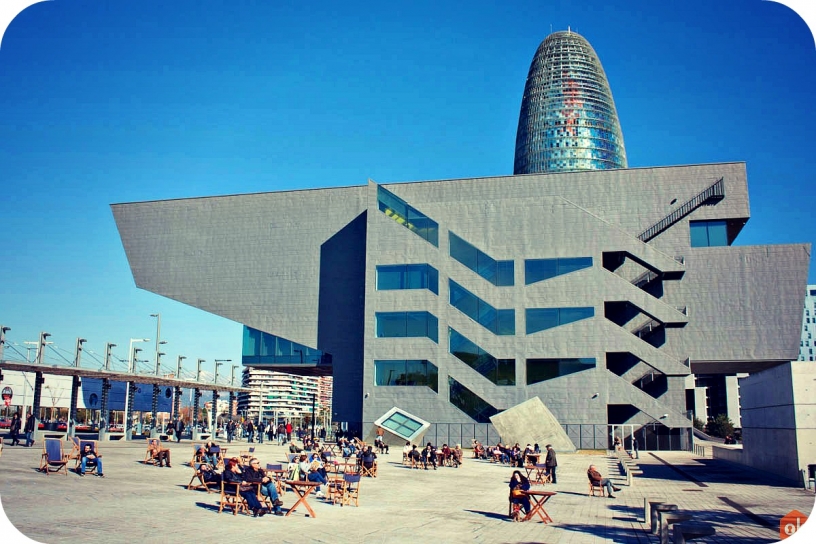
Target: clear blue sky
{"x": 104, "y": 102}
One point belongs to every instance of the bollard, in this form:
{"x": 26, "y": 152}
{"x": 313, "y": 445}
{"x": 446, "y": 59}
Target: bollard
{"x": 668, "y": 518}
{"x": 656, "y": 509}
{"x": 647, "y": 509}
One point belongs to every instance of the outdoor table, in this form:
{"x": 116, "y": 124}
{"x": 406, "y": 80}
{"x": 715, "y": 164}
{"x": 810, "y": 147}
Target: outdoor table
{"x": 540, "y": 476}
{"x": 534, "y": 458}
{"x": 537, "y": 500}
{"x": 302, "y": 489}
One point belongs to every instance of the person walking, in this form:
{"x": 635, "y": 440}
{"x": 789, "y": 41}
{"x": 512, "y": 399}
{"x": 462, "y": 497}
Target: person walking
{"x": 178, "y": 428}
{"x": 288, "y": 431}
{"x": 30, "y": 424}
{"x": 14, "y": 430}
{"x": 635, "y": 453}
{"x": 551, "y": 462}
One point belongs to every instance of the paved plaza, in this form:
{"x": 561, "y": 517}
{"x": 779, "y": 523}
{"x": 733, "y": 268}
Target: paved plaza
{"x": 136, "y": 502}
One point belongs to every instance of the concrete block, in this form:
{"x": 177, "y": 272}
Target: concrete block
{"x": 532, "y": 423}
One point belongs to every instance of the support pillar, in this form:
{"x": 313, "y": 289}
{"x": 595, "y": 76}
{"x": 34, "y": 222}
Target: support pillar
{"x": 104, "y": 414}
{"x": 214, "y": 424}
{"x": 154, "y": 421}
{"x": 176, "y": 404}
{"x": 35, "y": 406}
{"x": 72, "y": 415}
{"x": 194, "y": 416}
{"x": 129, "y": 410}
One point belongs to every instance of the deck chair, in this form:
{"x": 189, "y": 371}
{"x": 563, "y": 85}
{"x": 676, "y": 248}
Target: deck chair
{"x": 542, "y": 474}
{"x": 219, "y": 454}
{"x": 198, "y": 474}
{"x": 74, "y": 453}
{"x": 53, "y": 458}
{"x": 95, "y": 449}
{"x": 148, "y": 454}
{"x": 292, "y": 457}
{"x": 196, "y": 456}
{"x": 247, "y": 455}
{"x": 230, "y": 498}
{"x": 593, "y": 487}
{"x": 372, "y": 472}
{"x": 277, "y": 469}
{"x": 351, "y": 489}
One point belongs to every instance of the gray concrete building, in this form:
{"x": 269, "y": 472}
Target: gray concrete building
{"x": 600, "y": 292}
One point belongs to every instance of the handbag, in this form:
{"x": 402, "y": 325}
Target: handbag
{"x": 516, "y": 493}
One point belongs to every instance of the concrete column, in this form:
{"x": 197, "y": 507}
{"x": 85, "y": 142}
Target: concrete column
{"x": 732, "y": 400}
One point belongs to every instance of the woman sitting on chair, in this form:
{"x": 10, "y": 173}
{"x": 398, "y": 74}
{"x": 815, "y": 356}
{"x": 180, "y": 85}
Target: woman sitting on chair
{"x": 519, "y": 483}
{"x": 159, "y": 452}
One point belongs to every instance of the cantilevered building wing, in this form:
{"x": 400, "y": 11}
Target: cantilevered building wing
{"x": 568, "y": 119}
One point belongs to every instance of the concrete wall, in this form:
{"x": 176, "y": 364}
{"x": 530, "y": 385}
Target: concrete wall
{"x": 779, "y": 418}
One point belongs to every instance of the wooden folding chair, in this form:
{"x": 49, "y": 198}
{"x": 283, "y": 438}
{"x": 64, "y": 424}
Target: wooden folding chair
{"x": 351, "y": 489}
{"x": 277, "y": 472}
{"x": 95, "y": 449}
{"x": 53, "y": 458}
{"x": 247, "y": 455}
{"x": 196, "y": 456}
{"x": 593, "y": 487}
{"x": 198, "y": 474}
{"x": 219, "y": 452}
{"x": 231, "y": 498}
{"x": 74, "y": 453}
{"x": 149, "y": 454}
{"x": 372, "y": 472}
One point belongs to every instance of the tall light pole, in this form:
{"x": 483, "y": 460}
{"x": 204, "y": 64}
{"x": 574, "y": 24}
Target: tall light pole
{"x": 159, "y": 342}
{"x": 127, "y": 418}
{"x": 218, "y": 362}
{"x": 3, "y": 330}
{"x": 130, "y": 352}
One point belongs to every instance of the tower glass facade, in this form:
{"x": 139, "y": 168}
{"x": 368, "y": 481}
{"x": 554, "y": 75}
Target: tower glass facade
{"x": 568, "y": 121}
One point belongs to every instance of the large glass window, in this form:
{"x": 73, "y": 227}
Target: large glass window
{"x": 407, "y": 276}
{"x": 708, "y": 233}
{"x": 539, "y": 370}
{"x": 539, "y": 319}
{"x": 469, "y": 402}
{"x": 411, "y": 372}
{"x": 536, "y": 270}
{"x": 407, "y": 216}
{"x": 498, "y": 371}
{"x": 501, "y": 322}
{"x": 407, "y": 324}
{"x": 499, "y": 273}
{"x": 406, "y": 426}
{"x": 260, "y": 348}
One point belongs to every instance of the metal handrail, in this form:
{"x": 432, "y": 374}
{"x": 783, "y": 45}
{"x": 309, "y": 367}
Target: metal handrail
{"x": 716, "y": 191}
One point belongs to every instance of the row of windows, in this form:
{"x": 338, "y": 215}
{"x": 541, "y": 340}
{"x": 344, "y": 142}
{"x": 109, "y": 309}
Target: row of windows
{"x": 498, "y": 371}
{"x": 470, "y": 403}
{"x": 263, "y": 348}
{"x": 539, "y": 319}
{"x": 501, "y": 322}
{"x": 407, "y": 325}
{"x": 408, "y": 216}
{"x": 410, "y": 372}
{"x": 408, "y": 276}
{"x": 499, "y": 273}
{"x": 708, "y": 233}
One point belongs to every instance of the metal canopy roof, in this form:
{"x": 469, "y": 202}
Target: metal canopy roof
{"x": 118, "y": 376}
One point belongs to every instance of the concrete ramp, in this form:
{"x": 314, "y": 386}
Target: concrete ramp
{"x": 532, "y": 423}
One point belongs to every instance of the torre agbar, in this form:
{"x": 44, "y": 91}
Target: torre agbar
{"x": 602, "y": 292}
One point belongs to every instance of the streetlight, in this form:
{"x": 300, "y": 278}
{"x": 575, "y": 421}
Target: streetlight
{"x": 232, "y": 375}
{"x": 219, "y": 362}
{"x": 178, "y": 367}
{"x": 130, "y": 352}
{"x": 159, "y": 341}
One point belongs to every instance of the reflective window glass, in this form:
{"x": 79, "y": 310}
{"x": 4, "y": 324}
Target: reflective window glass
{"x": 539, "y": 319}
{"x": 536, "y": 270}
{"x": 499, "y": 273}
{"x": 539, "y": 370}
{"x": 708, "y": 233}
{"x": 496, "y": 321}
{"x": 406, "y": 373}
{"x": 411, "y": 218}
{"x": 469, "y": 402}
{"x": 407, "y": 276}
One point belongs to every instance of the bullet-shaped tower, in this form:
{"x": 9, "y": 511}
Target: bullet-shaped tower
{"x": 568, "y": 120}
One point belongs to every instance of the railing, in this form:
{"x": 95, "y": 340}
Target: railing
{"x": 646, "y": 328}
{"x": 645, "y": 278}
{"x": 715, "y": 192}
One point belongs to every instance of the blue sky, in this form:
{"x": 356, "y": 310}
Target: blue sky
{"x": 106, "y": 102}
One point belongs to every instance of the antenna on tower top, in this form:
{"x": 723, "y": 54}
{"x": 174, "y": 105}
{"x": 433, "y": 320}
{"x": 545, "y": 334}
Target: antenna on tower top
{"x": 569, "y": 30}
{"x": 550, "y": 28}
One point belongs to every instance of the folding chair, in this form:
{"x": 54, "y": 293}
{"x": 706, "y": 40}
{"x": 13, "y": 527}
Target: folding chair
{"x": 219, "y": 455}
{"x": 231, "y": 498}
{"x": 196, "y": 456}
{"x": 247, "y": 455}
{"x": 372, "y": 472}
{"x": 198, "y": 474}
{"x": 351, "y": 489}
{"x": 74, "y": 453}
{"x": 542, "y": 474}
{"x": 53, "y": 457}
{"x": 593, "y": 486}
{"x": 149, "y": 454}
{"x": 278, "y": 471}
{"x": 95, "y": 449}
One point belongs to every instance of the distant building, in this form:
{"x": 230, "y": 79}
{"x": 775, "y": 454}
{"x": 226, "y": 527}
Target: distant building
{"x": 807, "y": 346}
{"x": 568, "y": 120}
{"x": 278, "y": 395}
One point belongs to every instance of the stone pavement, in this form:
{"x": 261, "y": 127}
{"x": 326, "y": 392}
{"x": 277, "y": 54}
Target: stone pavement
{"x": 136, "y": 502}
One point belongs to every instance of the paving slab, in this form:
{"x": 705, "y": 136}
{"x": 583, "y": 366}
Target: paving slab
{"x": 466, "y": 504}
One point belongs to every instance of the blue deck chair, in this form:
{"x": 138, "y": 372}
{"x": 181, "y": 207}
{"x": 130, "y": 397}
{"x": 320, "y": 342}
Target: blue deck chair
{"x": 53, "y": 458}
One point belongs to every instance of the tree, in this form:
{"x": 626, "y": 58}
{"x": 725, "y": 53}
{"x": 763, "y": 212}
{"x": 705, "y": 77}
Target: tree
{"x": 699, "y": 424}
{"x": 721, "y": 426}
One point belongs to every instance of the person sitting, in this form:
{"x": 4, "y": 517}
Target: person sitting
{"x": 159, "y": 452}
{"x": 446, "y": 454}
{"x": 415, "y": 456}
{"x": 429, "y": 456}
{"x": 598, "y": 480}
{"x": 381, "y": 445}
{"x": 293, "y": 448}
{"x": 369, "y": 460}
{"x": 406, "y": 450}
{"x": 89, "y": 458}
{"x": 255, "y": 475}
{"x": 518, "y": 484}
{"x": 457, "y": 455}
{"x": 311, "y": 472}
{"x": 209, "y": 474}
{"x": 617, "y": 444}
{"x": 478, "y": 450}
{"x": 233, "y": 474}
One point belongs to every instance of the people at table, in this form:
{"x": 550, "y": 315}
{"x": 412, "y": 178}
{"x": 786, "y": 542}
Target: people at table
{"x": 519, "y": 483}
{"x": 255, "y": 475}
{"x": 368, "y": 458}
{"x": 429, "y": 456}
{"x": 598, "y": 480}
{"x": 234, "y": 474}
{"x": 159, "y": 452}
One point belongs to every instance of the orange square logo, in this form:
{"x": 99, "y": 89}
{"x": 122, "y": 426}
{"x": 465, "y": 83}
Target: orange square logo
{"x": 791, "y": 523}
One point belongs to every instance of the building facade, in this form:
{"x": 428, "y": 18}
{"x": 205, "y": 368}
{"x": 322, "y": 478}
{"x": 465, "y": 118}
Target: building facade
{"x": 600, "y": 292}
{"x": 279, "y": 396}
{"x": 807, "y": 345}
{"x": 568, "y": 120}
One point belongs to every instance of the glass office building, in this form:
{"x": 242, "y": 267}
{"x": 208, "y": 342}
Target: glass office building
{"x": 568, "y": 121}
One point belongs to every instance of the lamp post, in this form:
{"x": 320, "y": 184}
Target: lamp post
{"x": 218, "y": 362}
{"x": 177, "y": 390}
{"x": 3, "y": 330}
{"x": 75, "y": 383}
{"x": 159, "y": 342}
{"x": 127, "y": 420}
